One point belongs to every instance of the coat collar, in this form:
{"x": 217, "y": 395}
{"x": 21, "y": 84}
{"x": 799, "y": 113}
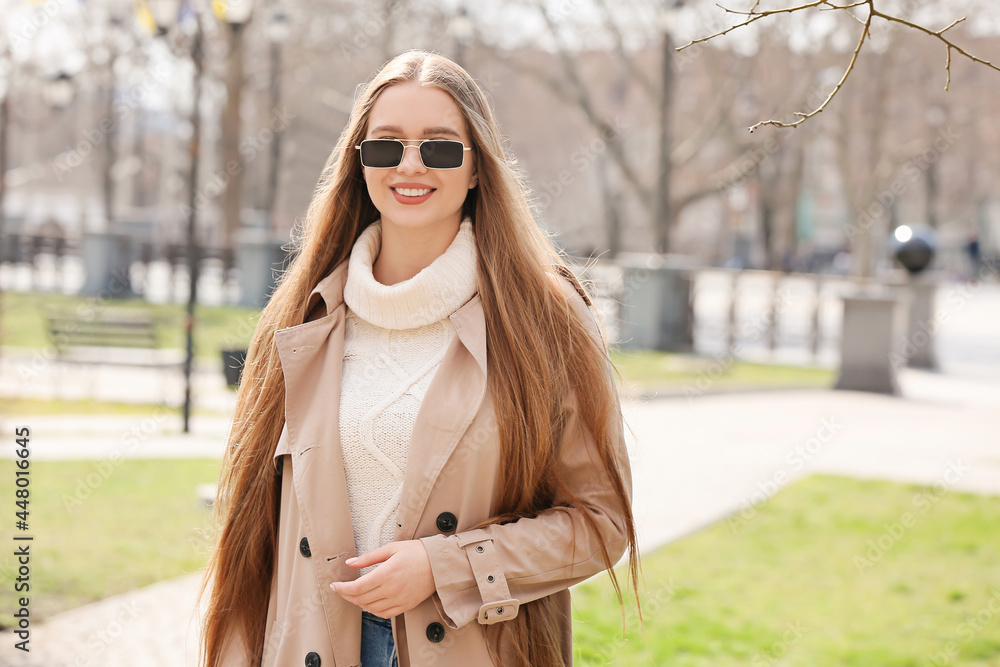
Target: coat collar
{"x": 311, "y": 357}
{"x": 330, "y": 289}
{"x": 469, "y": 320}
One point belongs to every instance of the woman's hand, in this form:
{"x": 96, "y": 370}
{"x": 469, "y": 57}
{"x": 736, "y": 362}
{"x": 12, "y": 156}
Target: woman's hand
{"x": 403, "y": 581}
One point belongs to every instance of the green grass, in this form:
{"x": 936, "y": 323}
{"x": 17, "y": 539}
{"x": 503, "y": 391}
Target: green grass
{"x": 785, "y": 588}
{"x": 105, "y": 527}
{"x": 650, "y": 370}
{"x": 784, "y": 583}
{"x": 217, "y": 327}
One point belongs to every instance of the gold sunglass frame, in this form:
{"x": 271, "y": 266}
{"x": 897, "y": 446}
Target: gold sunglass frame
{"x": 417, "y": 146}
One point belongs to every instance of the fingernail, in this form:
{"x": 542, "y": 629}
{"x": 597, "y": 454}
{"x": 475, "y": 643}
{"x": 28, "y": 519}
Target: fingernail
{"x": 351, "y": 561}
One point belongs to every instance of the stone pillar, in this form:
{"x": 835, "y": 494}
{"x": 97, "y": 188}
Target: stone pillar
{"x": 107, "y": 259}
{"x": 869, "y": 341}
{"x": 656, "y": 308}
{"x": 258, "y": 258}
{"x": 918, "y": 349}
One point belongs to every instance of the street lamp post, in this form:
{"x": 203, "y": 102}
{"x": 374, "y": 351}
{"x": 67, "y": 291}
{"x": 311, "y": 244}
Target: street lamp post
{"x": 194, "y": 261}
{"x": 165, "y": 14}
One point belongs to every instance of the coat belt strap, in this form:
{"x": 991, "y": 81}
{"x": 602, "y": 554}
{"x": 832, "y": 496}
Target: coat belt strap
{"x": 498, "y": 605}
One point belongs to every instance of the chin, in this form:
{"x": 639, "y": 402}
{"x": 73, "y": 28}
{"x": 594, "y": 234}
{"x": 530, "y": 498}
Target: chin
{"x": 410, "y": 217}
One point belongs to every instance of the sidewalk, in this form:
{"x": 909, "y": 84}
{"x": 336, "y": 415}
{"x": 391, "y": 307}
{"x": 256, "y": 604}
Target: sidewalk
{"x": 732, "y": 451}
{"x": 149, "y": 627}
{"x": 33, "y": 373}
{"x": 694, "y": 461}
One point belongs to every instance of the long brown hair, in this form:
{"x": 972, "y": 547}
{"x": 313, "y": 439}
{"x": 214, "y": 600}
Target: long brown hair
{"x": 529, "y": 325}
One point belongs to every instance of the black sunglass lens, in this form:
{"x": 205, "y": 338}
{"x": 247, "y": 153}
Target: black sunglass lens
{"x": 381, "y": 153}
{"x": 444, "y": 154}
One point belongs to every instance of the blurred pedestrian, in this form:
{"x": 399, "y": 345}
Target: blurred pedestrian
{"x": 973, "y": 252}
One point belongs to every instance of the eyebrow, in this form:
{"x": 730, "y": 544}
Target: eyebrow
{"x": 430, "y": 130}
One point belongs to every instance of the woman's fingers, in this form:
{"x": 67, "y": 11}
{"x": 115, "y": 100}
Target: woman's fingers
{"x": 374, "y": 605}
{"x": 374, "y": 556}
{"x": 359, "y": 586}
{"x": 401, "y": 582}
{"x": 367, "y": 598}
{"x": 390, "y": 612}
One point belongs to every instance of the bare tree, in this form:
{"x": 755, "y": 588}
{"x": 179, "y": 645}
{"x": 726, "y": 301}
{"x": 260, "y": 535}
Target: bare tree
{"x": 660, "y": 199}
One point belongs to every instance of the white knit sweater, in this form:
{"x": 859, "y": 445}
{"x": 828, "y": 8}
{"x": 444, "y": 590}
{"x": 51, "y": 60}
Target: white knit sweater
{"x": 395, "y": 339}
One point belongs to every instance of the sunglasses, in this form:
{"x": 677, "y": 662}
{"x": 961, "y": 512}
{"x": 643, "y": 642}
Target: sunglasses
{"x": 434, "y": 153}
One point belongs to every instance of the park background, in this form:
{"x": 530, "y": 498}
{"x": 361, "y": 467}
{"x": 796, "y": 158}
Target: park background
{"x": 812, "y": 427}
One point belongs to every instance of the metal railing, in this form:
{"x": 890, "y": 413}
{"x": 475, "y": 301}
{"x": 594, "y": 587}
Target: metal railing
{"x": 747, "y": 313}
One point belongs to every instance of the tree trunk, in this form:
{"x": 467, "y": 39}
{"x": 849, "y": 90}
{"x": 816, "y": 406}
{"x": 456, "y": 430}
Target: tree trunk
{"x": 662, "y": 221}
{"x": 232, "y": 165}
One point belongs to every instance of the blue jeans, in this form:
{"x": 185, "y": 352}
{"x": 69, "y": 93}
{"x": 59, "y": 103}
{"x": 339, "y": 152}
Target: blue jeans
{"x": 377, "y": 647}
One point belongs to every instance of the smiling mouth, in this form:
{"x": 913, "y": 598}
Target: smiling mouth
{"x": 413, "y": 192}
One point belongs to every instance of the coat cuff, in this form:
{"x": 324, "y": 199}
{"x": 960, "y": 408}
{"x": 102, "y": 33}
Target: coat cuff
{"x": 469, "y": 578}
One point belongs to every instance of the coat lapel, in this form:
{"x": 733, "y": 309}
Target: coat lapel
{"x": 453, "y": 398}
{"x": 311, "y": 359}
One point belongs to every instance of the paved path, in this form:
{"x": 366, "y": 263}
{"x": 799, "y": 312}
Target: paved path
{"x": 694, "y": 461}
{"x": 151, "y": 627}
{"x": 33, "y": 373}
{"x": 699, "y": 461}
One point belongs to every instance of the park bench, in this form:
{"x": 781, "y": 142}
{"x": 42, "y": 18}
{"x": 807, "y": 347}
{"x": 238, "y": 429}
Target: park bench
{"x": 118, "y": 336}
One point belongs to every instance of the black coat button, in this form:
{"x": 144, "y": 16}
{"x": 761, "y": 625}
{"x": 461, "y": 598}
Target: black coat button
{"x": 304, "y": 550}
{"x": 446, "y": 522}
{"x": 312, "y": 659}
{"x": 435, "y": 632}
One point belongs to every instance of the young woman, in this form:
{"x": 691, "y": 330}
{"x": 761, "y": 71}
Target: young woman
{"x": 428, "y": 445}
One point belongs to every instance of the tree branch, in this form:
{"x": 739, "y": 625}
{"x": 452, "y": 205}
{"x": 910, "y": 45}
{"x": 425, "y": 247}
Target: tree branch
{"x": 803, "y": 117}
{"x": 949, "y": 45}
{"x": 755, "y": 14}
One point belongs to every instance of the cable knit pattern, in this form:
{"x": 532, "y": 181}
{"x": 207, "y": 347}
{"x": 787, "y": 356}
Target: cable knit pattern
{"x": 394, "y": 341}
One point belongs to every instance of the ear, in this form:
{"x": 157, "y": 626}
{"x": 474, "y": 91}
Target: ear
{"x": 475, "y": 181}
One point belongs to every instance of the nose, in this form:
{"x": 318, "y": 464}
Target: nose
{"x": 411, "y": 163}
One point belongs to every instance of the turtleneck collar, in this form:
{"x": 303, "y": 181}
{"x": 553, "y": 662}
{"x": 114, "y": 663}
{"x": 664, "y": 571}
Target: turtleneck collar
{"x": 434, "y": 293}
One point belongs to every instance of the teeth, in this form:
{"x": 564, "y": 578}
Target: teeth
{"x": 410, "y": 192}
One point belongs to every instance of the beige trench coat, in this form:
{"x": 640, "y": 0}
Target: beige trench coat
{"x": 482, "y": 576}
